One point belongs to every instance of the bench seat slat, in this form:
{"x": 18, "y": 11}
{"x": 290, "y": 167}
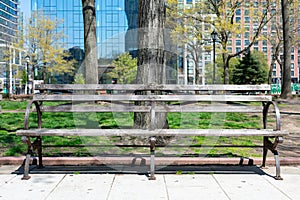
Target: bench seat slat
{"x": 167, "y": 108}
{"x": 160, "y": 132}
{"x": 215, "y": 98}
{"x": 209, "y": 108}
{"x": 95, "y": 108}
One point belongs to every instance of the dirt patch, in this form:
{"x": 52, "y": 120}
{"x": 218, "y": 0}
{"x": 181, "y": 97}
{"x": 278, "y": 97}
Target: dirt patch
{"x": 290, "y": 120}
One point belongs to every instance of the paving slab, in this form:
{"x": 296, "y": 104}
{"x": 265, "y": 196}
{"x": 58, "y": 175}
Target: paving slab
{"x": 289, "y": 186}
{"x": 36, "y": 188}
{"x": 245, "y": 186}
{"x": 284, "y": 170}
{"x": 137, "y": 187}
{"x": 194, "y": 187}
{"x": 4, "y": 178}
{"x": 83, "y": 186}
{"x": 8, "y": 169}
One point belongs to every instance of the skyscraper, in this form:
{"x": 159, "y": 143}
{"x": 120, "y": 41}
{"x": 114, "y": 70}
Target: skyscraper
{"x": 8, "y": 20}
{"x": 9, "y": 24}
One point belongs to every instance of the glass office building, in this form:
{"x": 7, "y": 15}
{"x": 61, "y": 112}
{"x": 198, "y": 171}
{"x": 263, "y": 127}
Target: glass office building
{"x": 9, "y": 24}
{"x": 8, "y": 20}
{"x": 114, "y": 19}
{"x": 117, "y": 23}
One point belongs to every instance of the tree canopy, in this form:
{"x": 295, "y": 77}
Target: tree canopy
{"x": 44, "y": 46}
{"x": 125, "y": 69}
{"x": 253, "y": 69}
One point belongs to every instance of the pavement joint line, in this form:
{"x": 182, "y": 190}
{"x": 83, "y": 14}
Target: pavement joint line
{"x": 278, "y": 188}
{"x": 111, "y": 186}
{"x": 54, "y": 188}
{"x": 13, "y": 177}
{"x": 167, "y": 191}
{"x": 219, "y": 184}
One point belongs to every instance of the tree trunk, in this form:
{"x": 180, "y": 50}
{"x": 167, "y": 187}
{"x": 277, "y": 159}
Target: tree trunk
{"x": 286, "y": 71}
{"x": 151, "y": 58}
{"x": 90, "y": 42}
{"x": 226, "y": 60}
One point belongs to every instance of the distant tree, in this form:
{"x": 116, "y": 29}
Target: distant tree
{"x": 125, "y": 68}
{"x": 253, "y": 69}
{"x": 43, "y": 45}
{"x": 90, "y": 42}
{"x": 78, "y": 79}
{"x": 219, "y": 70}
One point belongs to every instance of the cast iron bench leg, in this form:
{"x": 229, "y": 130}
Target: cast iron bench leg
{"x": 277, "y": 163}
{"x": 26, "y": 167}
{"x": 152, "y": 158}
{"x": 268, "y": 145}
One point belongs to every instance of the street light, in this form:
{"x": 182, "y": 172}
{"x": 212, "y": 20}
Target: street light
{"x": 214, "y": 37}
{"x": 27, "y": 58}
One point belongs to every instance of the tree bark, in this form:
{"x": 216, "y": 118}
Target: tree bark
{"x": 90, "y": 42}
{"x": 286, "y": 91}
{"x": 151, "y": 54}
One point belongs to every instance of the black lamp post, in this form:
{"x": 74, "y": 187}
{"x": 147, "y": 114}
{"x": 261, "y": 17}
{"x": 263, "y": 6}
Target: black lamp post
{"x": 214, "y": 37}
{"x": 27, "y": 58}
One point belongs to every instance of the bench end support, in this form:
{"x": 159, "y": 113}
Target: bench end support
{"x": 152, "y": 141}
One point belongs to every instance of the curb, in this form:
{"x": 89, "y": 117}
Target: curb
{"x": 285, "y": 161}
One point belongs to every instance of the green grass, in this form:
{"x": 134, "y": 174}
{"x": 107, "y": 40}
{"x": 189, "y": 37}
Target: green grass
{"x": 11, "y": 144}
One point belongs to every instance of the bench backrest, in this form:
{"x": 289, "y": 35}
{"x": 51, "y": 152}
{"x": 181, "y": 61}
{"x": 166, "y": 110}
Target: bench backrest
{"x": 124, "y": 96}
{"x": 221, "y": 93}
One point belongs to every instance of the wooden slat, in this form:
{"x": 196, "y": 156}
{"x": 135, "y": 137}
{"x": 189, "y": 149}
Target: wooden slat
{"x": 166, "y": 108}
{"x": 209, "y": 108}
{"x": 95, "y": 108}
{"x": 209, "y": 98}
{"x": 160, "y": 132}
{"x": 139, "y": 87}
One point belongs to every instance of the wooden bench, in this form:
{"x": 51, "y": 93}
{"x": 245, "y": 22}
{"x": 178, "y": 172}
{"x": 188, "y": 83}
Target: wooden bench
{"x": 159, "y": 99}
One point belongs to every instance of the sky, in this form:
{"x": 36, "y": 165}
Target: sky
{"x": 25, "y": 7}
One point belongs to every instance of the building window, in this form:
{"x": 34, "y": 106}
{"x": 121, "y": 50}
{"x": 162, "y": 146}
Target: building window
{"x": 238, "y": 42}
{"x": 265, "y": 49}
{"x": 264, "y": 43}
{"x": 247, "y": 19}
{"x": 292, "y": 57}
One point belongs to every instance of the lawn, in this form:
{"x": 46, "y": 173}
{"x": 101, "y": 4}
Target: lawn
{"x": 89, "y": 146}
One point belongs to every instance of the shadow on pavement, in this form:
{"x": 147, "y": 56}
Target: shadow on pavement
{"x": 144, "y": 170}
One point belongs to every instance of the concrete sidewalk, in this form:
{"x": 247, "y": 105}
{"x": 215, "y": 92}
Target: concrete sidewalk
{"x": 246, "y": 183}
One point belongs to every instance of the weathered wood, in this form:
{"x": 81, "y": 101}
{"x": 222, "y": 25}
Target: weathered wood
{"x": 159, "y": 98}
{"x": 157, "y": 132}
{"x": 154, "y": 87}
{"x": 209, "y": 108}
{"x": 95, "y": 108}
{"x": 194, "y": 108}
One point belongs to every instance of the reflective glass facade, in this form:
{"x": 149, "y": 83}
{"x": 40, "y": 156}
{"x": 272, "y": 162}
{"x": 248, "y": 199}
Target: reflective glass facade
{"x": 8, "y": 20}
{"x": 114, "y": 18}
